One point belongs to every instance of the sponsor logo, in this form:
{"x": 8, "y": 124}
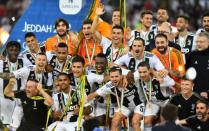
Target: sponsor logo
{"x": 70, "y": 7}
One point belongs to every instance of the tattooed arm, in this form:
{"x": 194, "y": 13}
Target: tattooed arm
{"x": 7, "y": 75}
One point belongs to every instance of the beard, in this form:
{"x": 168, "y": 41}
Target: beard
{"x": 199, "y": 115}
{"x": 206, "y": 28}
{"x": 162, "y": 50}
{"x": 62, "y": 35}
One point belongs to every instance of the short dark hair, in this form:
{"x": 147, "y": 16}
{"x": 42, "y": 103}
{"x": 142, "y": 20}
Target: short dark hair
{"x": 185, "y": 17}
{"x": 144, "y": 64}
{"x": 63, "y": 74}
{"x": 204, "y": 102}
{"x": 206, "y": 14}
{"x": 146, "y": 12}
{"x": 115, "y": 68}
{"x": 169, "y": 112}
{"x": 61, "y": 20}
{"x": 118, "y": 27}
{"x": 62, "y": 45}
{"x": 78, "y": 58}
{"x": 13, "y": 43}
{"x": 162, "y": 8}
{"x": 87, "y": 21}
{"x": 41, "y": 53}
{"x": 102, "y": 55}
{"x": 161, "y": 35}
{"x": 30, "y": 34}
{"x": 116, "y": 9}
{"x": 138, "y": 39}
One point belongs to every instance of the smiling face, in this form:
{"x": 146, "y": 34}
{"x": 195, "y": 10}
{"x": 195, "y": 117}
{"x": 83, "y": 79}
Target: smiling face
{"x": 144, "y": 73}
{"x": 40, "y": 62}
{"x": 116, "y": 18}
{"x": 186, "y": 86}
{"x": 13, "y": 52}
{"x": 117, "y": 36}
{"x": 205, "y": 23}
{"x": 62, "y": 53}
{"x": 63, "y": 82}
{"x": 32, "y": 43}
{"x": 147, "y": 20}
{"x": 100, "y": 64}
{"x": 77, "y": 69}
{"x": 201, "y": 111}
{"x": 115, "y": 77}
{"x": 161, "y": 44}
{"x": 61, "y": 29}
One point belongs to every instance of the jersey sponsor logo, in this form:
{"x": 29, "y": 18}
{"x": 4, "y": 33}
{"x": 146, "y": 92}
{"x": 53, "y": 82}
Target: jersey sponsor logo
{"x": 130, "y": 93}
{"x": 70, "y": 7}
{"x": 71, "y": 108}
{"x": 196, "y": 62}
{"x": 185, "y": 50}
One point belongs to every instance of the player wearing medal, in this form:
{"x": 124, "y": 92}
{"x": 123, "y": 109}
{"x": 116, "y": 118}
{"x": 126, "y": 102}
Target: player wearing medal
{"x": 33, "y": 48}
{"x": 63, "y": 35}
{"x": 60, "y": 61}
{"x": 150, "y": 92}
{"x": 9, "y": 65}
{"x": 127, "y": 99}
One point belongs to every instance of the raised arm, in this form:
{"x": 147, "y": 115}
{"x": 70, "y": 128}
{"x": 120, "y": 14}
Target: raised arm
{"x": 6, "y": 75}
{"x": 48, "y": 99}
{"x": 8, "y": 90}
{"x": 92, "y": 96}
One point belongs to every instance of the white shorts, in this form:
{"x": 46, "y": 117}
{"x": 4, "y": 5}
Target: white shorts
{"x": 63, "y": 126}
{"x": 17, "y": 114}
{"x": 127, "y": 111}
{"x": 6, "y": 109}
{"x": 151, "y": 109}
{"x": 101, "y": 109}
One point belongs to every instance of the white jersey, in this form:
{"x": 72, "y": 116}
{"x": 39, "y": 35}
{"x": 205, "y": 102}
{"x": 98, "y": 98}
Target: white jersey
{"x": 90, "y": 80}
{"x": 167, "y": 83}
{"x": 29, "y": 72}
{"x": 7, "y": 105}
{"x": 131, "y": 95}
{"x": 129, "y": 61}
{"x": 30, "y": 57}
{"x": 105, "y": 43}
{"x": 58, "y": 67}
{"x": 158, "y": 91}
{"x": 154, "y": 28}
{"x": 148, "y": 37}
{"x": 60, "y": 101}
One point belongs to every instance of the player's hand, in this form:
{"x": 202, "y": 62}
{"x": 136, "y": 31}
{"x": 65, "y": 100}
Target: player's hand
{"x": 2, "y": 58}
{"x": 100, "y": 10}
{"x": 12, "y": 81}
{"x": 39, "y": 87}
{"x": 128, "y": 33}
{"x": 57, "y": 115}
